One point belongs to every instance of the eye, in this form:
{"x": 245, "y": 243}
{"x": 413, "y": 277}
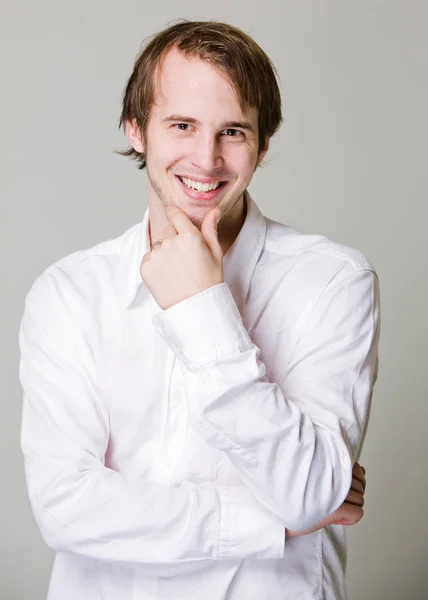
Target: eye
{"x": 181, "y": 126}
{"x": 232, "y": 132}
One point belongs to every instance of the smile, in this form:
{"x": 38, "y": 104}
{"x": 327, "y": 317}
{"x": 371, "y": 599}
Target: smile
{"x": 199, "y": 186}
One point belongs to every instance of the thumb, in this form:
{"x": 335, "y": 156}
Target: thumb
{"x": 210, "y": 233}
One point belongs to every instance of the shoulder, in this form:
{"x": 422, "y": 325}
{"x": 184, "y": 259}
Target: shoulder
{"x": 311, "y": 253}
{"x": 82, "y": 277}
{"x": 311, "y": 278}
{"x": 297, "y": 270}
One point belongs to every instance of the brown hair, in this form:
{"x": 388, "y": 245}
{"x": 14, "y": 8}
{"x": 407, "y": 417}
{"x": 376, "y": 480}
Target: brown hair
{"x": 227, "y": 48}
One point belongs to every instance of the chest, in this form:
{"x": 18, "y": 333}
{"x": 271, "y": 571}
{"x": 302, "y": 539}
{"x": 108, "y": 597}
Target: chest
{"x": 143, "y": 387}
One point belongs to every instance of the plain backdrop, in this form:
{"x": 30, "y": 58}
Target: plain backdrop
{"x": 350, "y": 162}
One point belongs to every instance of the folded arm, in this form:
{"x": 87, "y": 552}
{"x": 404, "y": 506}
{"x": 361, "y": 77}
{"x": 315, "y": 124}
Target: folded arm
{"x": 295, "y": 445}
{"x": 82, "y": 506}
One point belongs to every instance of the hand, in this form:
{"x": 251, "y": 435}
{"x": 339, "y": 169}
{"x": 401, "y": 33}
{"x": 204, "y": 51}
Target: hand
{"x": 187, "y": 262}
{"x": 351, "y": 511}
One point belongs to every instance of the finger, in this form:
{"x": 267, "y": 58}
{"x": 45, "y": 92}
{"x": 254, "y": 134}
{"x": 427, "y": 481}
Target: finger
{"x": 180, "y": 220}
{"x": 357, "y": 486}
{"x": 357, "y": 469}
{"x": 156, "y": 245}
{"x": 358, "y": 473}
{"x": 169, "y": 232}
{"x": 351, "y": 516}
{"x": 355, "y": 498}
{"x": 210, "y": 233}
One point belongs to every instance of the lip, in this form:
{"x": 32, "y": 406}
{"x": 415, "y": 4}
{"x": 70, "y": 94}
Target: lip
{"x": 205, "y": 196}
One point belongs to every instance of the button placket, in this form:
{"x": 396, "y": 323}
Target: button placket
{"x": 175, "y": 424}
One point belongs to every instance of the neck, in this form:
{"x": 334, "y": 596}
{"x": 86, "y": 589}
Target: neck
{"x": 230, "y": 226}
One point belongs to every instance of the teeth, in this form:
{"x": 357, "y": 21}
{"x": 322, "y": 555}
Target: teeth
{"x": 198, "y": 186}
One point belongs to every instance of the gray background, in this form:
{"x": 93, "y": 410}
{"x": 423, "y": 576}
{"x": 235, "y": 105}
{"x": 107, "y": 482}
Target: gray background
{"x": 349, "y": 162}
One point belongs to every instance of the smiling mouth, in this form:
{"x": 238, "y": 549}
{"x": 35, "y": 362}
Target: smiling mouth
{"x": 198, "y": 186}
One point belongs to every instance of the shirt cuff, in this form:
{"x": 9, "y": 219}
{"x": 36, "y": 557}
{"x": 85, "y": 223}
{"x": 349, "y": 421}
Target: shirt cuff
{"x": 204, "y": 328}
{"x": 246, "y": 529}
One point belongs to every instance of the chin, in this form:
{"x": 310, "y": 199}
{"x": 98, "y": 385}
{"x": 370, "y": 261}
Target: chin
{"x": 197, "y": 220}
{"x": 196, "y": 213}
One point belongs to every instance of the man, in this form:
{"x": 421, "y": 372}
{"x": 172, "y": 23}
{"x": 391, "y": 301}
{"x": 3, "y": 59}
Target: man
{"x": 196, "y": 392}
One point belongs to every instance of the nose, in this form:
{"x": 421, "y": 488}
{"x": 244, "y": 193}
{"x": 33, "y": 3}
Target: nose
{"x": 207, "y": 156}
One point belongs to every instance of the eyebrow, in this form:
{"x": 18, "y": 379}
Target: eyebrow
{"x": 225, "y": 125}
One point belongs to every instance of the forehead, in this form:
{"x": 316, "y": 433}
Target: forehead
{"x": 185, "y": 84}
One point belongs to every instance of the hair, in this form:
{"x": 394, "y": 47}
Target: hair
{"x": 228, "y": 49}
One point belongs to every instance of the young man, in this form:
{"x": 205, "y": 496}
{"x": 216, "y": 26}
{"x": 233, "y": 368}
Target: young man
{"x": 196, "y": 392}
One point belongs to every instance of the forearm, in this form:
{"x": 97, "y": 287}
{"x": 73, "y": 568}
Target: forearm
{"x": 293, "y": 450}
{"x": 298, "y": 471}
{"x": 292, "y": 467}
{"x": 94, "y": 512}
{"x": 84, "y": 507}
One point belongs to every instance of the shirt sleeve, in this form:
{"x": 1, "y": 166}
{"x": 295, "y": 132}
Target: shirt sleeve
{"x": 293, "y": 444}
{"x": 83, "y": 507}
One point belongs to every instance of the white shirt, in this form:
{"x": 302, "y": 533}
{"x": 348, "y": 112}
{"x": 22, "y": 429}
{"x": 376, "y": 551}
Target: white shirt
{"x": 166, "y": 451}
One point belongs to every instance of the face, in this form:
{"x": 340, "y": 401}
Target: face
{"x": 201, "y": 149}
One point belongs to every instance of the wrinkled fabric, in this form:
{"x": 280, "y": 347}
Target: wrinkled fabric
{"x": 167, "y": 451}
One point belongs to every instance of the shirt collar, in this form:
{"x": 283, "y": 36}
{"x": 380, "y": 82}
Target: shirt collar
{"x": 239, "y": 261}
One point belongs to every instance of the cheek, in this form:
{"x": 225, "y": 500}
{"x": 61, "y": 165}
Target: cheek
{"x": 172, "y": 149}
{"x": 163, "y": 151}
{"x": 243, "y": 159}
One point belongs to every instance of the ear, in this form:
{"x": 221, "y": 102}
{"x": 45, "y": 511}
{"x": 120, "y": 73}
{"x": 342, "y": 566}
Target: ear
{"x": 134, "y": 135}
{"x": 263, "y": 153}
